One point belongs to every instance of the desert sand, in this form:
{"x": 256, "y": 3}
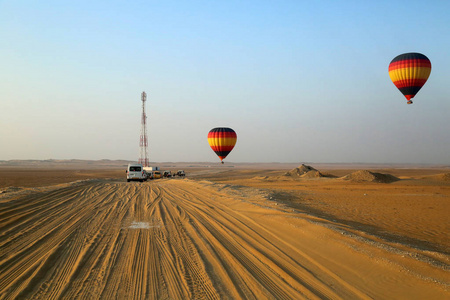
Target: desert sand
{"x": 77, "y": 230}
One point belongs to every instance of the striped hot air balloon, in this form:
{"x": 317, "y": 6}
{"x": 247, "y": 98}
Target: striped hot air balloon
{"x": 222, "y": 141}
{"x": 409, "y": 72}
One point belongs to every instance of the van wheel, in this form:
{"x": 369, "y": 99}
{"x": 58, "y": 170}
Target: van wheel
{"x": 128, "y": 180}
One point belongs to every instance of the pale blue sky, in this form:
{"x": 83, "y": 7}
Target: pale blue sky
{"x": 299, "y": 81}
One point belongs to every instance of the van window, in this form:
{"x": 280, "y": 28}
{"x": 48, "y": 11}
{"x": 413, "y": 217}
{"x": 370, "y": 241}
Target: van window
{"x": 135, "y": 169}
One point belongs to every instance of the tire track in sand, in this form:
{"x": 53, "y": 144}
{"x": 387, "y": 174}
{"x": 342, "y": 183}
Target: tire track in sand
{"x": 254, "y": 265}
{"x": 168, "y": 239}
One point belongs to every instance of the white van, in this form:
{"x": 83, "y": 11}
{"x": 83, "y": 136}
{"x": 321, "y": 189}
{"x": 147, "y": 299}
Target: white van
{"x": 136, "y": 172}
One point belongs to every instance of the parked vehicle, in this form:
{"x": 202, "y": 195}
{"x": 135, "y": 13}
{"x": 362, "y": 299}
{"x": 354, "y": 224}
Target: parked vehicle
{"x": 167, "y": 174}
{"x": 151, "y": 169}
{"x": 148, "y": 175}
{"x": 156, "y": 174}
{"x": 181, "y": 173}
{"x": 136, "y": 172}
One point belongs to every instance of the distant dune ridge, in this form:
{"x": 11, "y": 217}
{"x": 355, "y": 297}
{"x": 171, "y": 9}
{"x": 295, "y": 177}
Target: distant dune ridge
{"x": 368, "y": 176}
{"x": 443, "y": 177}
{"x": 304, "y": 171}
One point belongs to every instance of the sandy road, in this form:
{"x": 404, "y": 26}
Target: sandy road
{"x": 181, "y": 239}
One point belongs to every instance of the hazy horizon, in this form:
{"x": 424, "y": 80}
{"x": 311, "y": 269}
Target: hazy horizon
{"x": 99, "y": 162}
{"x": 297, "y": 81}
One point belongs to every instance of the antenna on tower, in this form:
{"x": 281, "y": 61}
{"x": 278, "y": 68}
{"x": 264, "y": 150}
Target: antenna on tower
{"x": 143, "y": 144}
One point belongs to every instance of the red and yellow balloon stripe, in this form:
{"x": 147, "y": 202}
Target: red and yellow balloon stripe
{"x": 222, "y": 141}
{"x": 409, "y": 72}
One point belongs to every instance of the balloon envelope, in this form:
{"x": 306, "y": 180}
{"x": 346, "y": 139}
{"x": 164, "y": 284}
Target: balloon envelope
{"x": 222, "y": 141}
{"x": 409, "y": 72}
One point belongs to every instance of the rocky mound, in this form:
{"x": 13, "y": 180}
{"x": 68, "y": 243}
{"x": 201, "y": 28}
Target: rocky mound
{"x": 312, "y": 174}
{"x": 367, "y": 176}
{"x": 304, "y": 171}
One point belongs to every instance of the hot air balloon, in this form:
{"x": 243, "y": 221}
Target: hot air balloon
{"x": 222, "y": 141}
{"x": 409, "y": 72}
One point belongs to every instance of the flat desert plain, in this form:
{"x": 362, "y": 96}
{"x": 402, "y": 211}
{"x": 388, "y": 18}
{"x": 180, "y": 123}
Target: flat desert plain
{"x": 248, "y": 231}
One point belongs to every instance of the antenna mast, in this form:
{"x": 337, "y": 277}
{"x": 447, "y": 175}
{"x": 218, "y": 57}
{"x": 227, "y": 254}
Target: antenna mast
{"x": 143, "y": 144}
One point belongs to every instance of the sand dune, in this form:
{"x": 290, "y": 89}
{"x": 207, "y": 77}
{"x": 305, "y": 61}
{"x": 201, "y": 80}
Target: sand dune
{"x": 443, "y": 177}
{"x": 203, "y": 239}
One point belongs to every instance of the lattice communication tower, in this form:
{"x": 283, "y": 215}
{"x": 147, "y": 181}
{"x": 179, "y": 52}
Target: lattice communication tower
{"x": 143, "y": 144}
